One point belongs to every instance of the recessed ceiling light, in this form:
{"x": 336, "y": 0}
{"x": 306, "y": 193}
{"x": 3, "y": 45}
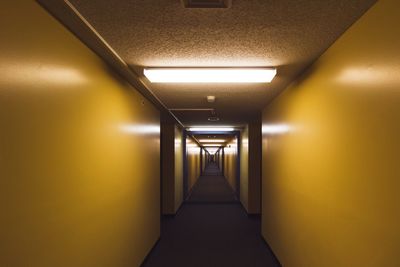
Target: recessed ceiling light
{"x": 210, "y": 99}
{"x": 212, "y": 145}
{"x": 210, "y": 75}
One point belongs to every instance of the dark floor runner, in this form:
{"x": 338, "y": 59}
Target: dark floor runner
{"x": 212, "y": 189}
{"x": 212, "y": 169}
{"x": 205, "y": 234}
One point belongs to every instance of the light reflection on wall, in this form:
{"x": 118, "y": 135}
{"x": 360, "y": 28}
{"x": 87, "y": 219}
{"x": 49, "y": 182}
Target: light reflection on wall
{"x": 245, "y": 142}
{"x": 194, "y": 150}
{"x": 370, "y": 76}
{"x": 28, "y": 74}
{"x": 275, "y": 129}
{"x": 140, "y": 129}
{"x": 178, "y": 142}
{"x": 230, "y": 162}
{"x": 229, "y": 149}
{"x": 192, "y": 147}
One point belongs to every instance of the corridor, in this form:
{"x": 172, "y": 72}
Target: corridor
{"x": 200, "y": 133}
{"x": 211, "y": 229}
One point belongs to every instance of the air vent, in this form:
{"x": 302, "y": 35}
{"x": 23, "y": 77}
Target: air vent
{"x": 207, "y": 3}
{"x": 213, "y": 119}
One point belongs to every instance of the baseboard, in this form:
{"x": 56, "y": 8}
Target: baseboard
{"x": 250, "y": 215}
{"x": 148, "y": 254}
{"x": 171, "y": 215}
{"x": 179, "y": 208}
{"x": 271, "y": 251}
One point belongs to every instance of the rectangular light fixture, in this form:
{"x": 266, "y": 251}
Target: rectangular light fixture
{"x": 210, "y": 75}
{"x": 212, "y": 151}
{"x": 212, "y": 145}
{"x": 211, "y": 129}
{"x": 212, "y": 140}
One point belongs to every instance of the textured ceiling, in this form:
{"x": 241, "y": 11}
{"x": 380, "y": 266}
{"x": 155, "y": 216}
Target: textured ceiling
{"x": 287, "y": 34}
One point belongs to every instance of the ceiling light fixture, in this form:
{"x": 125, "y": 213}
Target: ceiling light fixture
{"x": 212, "y": 140}
{"x": 210, "y": 99}
{"x": 210, "y": 75}
{"x": 212, "y": 145}
{"x": 211, "y": 129}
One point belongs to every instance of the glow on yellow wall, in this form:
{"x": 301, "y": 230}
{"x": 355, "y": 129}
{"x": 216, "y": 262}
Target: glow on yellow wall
{"x": 230, "y": 163}
{"x": 79, "y": 157}
{"x": 330, "y": 153}
{"x": 244, "y": 167}
{"x": 178, "y": 161}
{"x": 193, "y": 162}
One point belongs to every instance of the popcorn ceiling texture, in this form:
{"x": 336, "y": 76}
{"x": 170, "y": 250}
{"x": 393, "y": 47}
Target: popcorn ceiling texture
{"x": 287, "y": 34}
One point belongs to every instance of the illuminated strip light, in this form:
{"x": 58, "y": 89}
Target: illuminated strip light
{"x": 212, "y": 145}
{"x": 212, "y": 140}
{"x": 211, "y": 129}
{"x": 210, "y": 75}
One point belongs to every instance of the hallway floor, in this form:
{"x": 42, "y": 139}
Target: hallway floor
{"x": 211, "y": 229}
{"x": 212, "y": 187}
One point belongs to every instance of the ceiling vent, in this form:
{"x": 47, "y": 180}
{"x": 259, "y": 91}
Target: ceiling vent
{"x": 213, "y": 119}
{"x": 207, "y": 3}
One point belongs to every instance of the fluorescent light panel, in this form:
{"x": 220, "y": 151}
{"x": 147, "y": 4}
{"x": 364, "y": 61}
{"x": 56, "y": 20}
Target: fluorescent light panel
{"x": 212, "y": 140}
{"x": 210, "y": 75}
{"x": 212, "y": 145}
{"x": 211, "y": 129}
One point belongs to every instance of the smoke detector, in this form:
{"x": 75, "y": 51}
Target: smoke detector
{"x": 210, "y": 99}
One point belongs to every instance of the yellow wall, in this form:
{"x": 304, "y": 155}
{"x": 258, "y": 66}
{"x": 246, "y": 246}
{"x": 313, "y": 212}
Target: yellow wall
{"x": 172, "y": 165}
{"x": 79, "y": 152}
{"x": 193, "y": 162}
{"x": 254, "y": 167}
{"x": 204, "y": 160}
{"x": 178, "y": 167}
{"x": 220, "y": 159}
{"x": 230, "y": 163}
{"x": 331, "y": 173}
{"x": 244, "y": 167}
{"x": 167, "y": 165}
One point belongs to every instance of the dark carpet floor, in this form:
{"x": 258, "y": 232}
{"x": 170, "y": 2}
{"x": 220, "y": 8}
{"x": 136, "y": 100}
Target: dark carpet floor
{"x": 211, "y": 230}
